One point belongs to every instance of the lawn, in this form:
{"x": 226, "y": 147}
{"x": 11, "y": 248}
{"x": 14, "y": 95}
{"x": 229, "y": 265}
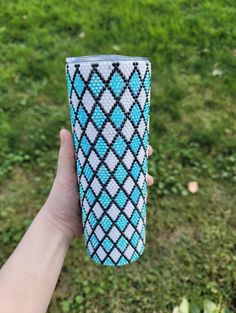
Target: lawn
{"x": 191, "y": 239}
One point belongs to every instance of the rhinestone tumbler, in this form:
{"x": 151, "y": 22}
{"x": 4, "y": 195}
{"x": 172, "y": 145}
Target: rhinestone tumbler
{"x": 109, "y": 98}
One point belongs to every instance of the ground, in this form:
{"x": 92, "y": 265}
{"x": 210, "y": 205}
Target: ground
{"x": 191, "y": 238}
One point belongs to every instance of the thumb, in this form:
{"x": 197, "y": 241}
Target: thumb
{"x": 66, "y": 158}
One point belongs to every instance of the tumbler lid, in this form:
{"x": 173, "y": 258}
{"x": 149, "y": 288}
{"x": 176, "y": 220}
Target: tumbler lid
{"x": 104, "y": 57}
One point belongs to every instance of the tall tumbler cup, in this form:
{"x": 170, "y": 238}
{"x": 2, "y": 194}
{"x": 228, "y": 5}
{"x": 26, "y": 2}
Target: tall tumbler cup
{"x": 109, "y": 98}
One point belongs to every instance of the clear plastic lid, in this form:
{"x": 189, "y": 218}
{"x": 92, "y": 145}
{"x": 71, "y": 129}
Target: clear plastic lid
{"x": 105, "y": 58}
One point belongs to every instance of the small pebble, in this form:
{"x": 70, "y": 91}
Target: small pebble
{"x": 193, "y": 187}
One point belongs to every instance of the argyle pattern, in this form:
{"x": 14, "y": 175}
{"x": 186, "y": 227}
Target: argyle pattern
{"x": 109, "y": 110}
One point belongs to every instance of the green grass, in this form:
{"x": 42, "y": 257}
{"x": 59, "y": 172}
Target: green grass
{"x": 191, "y": 241}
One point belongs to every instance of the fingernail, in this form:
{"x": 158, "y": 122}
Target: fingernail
{"x": 62, "y": 137}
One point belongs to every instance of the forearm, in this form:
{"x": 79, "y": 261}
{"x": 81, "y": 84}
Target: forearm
{"x": 28, "y": 278}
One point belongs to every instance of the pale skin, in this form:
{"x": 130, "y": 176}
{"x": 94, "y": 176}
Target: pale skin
{"x": 29, "y": 276}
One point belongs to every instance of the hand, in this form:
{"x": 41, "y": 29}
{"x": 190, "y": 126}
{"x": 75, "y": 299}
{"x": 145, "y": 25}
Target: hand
{"x": 62, "y": 205}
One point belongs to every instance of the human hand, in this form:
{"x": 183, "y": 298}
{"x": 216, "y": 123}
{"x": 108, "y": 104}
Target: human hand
{"x": 62, "y": 205}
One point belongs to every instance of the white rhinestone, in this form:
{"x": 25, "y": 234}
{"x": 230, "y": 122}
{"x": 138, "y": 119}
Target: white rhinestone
{"x": 140, "y": 225}
{"x": 115, "y": 255}
{"x": 129, "y": 252}
{"x": 91, "y": 132}
{"x": 83, "y": 182}
{"x": 94, "y": 160}
{"x": 129, "y": 231}
{"x": 141, "y": 127}
{"x": 99, "y": 232}
{"x": 141, "y": 155}
{"x": 107, "y": 101}
{"x": 85, "y": 70}
{"x": 105, "y": 69}
{"x": 96, "y": 186}
{"x": 129, "y": 208}
{"x": 129, "y": 184}
{"x": 109, "y": 132}
{"x": 71, "y": 70}
{"x": 81, "y": 157}
{"x": 140, "y": 245}
{"x": 112, "y": 187}
{"x": 111, "y": 160}
{"x": 114, "y": 234}
{"x": 142, "y": 69}
{"x": 101, "y": 253}
{"x": 86, "y": 205}
{"x": 74, "y": 100}
{"x": 127, "y": 100}
{"x": 140, "y": 203}
{"x": 88, "y": 228}
{"x": 88, "y": 101}
{"x": 142, "y": 98}
{"x": 98, "y": 210}
{"x": 128, "y": 159}
{"x": 78, "y": 130}
{"x": 113, "y": 212}
{"x": 141, "y": 180}
{"x": 126, "y": 68}
{"x": 128, "y": 130}
{"x": 90, "y": 248}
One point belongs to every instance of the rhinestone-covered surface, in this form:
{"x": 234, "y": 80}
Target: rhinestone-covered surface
{"x": 109, "y": 109}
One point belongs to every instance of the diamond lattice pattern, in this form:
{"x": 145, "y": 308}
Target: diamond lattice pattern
{"x": 109, "y": 109}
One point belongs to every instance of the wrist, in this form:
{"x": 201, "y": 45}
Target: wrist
{"x": 57, "y": 227}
